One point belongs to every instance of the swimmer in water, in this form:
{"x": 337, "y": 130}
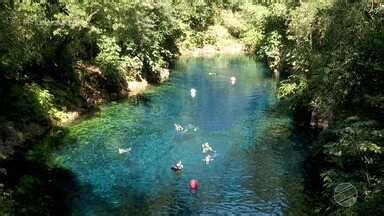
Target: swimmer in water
{"x": 192, "y": 127}
{"x": 233, "y": 80}
{"x": 206, "y": 148}
{"x": 179, "y": 128}
{"x": 207, "y": 159}
{"x": 124, "y": 151}
{"x": 177, "y": 167}
{"x": 193, "y": 92}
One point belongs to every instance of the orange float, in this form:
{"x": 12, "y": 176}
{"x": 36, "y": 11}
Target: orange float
{"x": 193, "y": 184}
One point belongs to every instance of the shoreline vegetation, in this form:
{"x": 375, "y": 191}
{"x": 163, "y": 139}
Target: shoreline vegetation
{"x": 59, "y": 61}
{"x": 93, "y": 74}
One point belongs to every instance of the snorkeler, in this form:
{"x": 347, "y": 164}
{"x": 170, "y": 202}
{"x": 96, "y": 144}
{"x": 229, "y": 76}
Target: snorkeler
{"x": 208, "y": 159}
{"x": 179, "y": 128}
{"x": 206, "y": 148}
{"x": 177, "y": 167}
{"x": 124, "y": 151}
{"x": 189, "y": 128}
{"x": 193, "y": 92}
{"x": 233, "y": 80}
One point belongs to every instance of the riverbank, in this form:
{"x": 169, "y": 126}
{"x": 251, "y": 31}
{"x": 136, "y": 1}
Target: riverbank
{"x": 91, "y": 95}
{"x": 72, "y": 107}
{"x": 24, "y": 144}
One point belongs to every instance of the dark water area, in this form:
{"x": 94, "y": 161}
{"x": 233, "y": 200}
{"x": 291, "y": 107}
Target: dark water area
{"x": 257, "y": 168}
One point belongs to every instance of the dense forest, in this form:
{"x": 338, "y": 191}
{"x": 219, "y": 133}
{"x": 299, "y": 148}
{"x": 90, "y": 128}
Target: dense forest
{"x": 330, "y": 58}
{"x": 61, "y": 58}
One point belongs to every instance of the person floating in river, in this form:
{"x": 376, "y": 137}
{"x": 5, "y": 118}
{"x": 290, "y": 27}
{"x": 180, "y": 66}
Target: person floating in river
{"x": 190, "y": 128}
{"x": 193, "y": 92}
{"x": 179, "y": 128}
{"x": 177, "y": 167}
{"x": 207, "y": 159}
{"x": 206, "y": 148}
{"x": 232, "y": 80}
{"x": 211, "y": 73}
{"x": 124, "y": 151}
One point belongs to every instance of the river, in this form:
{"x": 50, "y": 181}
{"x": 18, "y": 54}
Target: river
{"x": 257, "y": 168}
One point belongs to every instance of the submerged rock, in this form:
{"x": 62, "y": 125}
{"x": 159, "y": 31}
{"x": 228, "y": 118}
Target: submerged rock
{"x": 137, "y": 87}
{"x": 158, "y": 76}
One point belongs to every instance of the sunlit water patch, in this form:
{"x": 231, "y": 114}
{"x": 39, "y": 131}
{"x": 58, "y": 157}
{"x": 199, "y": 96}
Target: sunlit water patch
{"x": 257, "y": 167}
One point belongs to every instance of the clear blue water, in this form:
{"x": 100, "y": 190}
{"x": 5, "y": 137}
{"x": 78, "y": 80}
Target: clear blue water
{"x": 258, "y": 164}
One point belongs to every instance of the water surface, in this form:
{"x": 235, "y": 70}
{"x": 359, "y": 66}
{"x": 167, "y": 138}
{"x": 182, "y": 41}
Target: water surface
{"x": 257, "y": 168}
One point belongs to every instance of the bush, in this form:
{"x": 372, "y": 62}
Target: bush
{"x": 198, "y": 15}
{"x": 234, "y": 22}
{"x": 254, "y": 15}
{"x": 276, "y": 20}
{"x": 334, "y": 75}
{"x": 273, "y": 51}
{"x": 252, "y": 40}
{"x": 24, "y": 33}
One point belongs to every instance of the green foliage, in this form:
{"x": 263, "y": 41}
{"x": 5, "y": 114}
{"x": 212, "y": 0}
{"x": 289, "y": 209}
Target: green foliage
{"x": 28, "y": 101}
{"x": 252, "y": 35}
{"x": 355, "y": 149}
{"x": 330, "y": 61}
{"x": 198, "y": 15}
{"x": 43, "y": 45}
{"x": 293, "y": 87}
{"x": 273, "y": 50}
{"x": 265, "y": 32}
{"x": 43, "y": 102}
{"x": 234, "y": 22}
{"x": 254, "y": 15}
{"x": 22, "y": 39}
{"x": 109, "y": 61}
{"x": 329, "y": 53}
{"x": 43, "y": 97}
{"x": 252, "y": 39}
{"x": 195, "y": 19}
{"x": 127, "y": 39}
{"x": 57, "y": 57}
{"x": 276, "y": 19}
{"x": 142, "y": 32}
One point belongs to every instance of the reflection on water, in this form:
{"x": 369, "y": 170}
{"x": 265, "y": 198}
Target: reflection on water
{"x": 257, "y": 166}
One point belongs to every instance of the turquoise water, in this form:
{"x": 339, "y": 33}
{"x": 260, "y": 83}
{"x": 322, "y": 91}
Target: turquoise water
{"x": 257, "y": 168}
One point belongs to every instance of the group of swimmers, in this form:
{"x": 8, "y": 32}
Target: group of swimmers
{"x": 206, "y": 148}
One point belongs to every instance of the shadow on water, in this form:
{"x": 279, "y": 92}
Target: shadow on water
{"x": 281, "y": 150}
{"x": 37, "y": 187}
